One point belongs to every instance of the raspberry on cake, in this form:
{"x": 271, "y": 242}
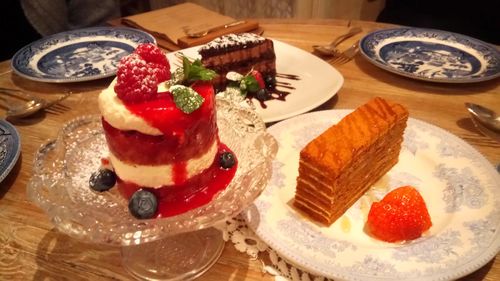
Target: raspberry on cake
{"x": 140, "y": 73}
{"x": 162, "y": 138}
{"x": 339, "y": 166}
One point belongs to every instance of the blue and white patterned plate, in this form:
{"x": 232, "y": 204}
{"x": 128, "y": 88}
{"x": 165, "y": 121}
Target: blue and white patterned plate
{"x": 78, "y": 55}
{"x": 460, "y": 187}
{"x": 432, "y": 55}
{"x": 10, "y": 148}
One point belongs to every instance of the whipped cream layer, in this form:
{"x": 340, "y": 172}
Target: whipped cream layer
{"x": 161, "y": 175}
{"x": 116, "y": 113}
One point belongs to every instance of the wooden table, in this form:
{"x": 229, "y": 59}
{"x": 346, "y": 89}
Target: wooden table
{"x": 31, "y": 248}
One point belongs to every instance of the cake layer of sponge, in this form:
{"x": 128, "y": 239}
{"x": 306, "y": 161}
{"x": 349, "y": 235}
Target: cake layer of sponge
{"x": 341, "y": 164}
{"x": 157, "y": 176}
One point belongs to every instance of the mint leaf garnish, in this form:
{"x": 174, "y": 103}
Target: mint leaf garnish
{"x": 186, "y": 99}
{"x": 194, "y": 71}
{"x": 250, "y": 84}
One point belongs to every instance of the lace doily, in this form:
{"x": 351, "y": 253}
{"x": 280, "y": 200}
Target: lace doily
{"x": 246, "y": 241}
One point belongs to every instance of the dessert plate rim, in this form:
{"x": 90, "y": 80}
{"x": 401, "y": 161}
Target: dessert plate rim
{"x": 41, "y": 59}
{"x": 449, "y": 251}
{"x": 319, "y": 81}
{"x": 377, "y": 46}
{"x": 10, "y": 144}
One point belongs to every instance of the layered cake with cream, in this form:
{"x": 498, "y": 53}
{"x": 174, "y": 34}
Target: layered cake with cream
{"x": 239, "y": 53}
{"x": 163, "y": 138}
{"x": 339, "y": 166}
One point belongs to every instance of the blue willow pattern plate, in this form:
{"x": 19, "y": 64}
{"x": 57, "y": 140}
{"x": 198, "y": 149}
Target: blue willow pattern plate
{"x": 460, "y": 187}
{"x": 78, "y": 55}
{"x": 10, "y": 148}
{"x": 432, "y": 55}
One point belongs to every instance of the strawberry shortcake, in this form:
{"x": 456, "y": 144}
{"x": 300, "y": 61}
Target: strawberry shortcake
{"x": 165, "y": 155}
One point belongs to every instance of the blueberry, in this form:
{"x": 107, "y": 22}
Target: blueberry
{"x": 143, "y": 204}
{"x": 102, "y": 180}
{"x": 270, "y": 81}
{"x": 227, "y": 160}
{"x": 262, "y": 95}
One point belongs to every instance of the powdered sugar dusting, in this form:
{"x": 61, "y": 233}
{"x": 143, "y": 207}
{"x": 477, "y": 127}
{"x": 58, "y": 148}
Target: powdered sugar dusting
{"x": 138, "y": 78}
{"x": 82, "y": 159}
{"x": 231, "y": 40}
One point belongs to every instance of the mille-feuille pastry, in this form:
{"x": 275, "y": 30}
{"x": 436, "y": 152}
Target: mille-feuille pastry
{"x": 339, "y": 166}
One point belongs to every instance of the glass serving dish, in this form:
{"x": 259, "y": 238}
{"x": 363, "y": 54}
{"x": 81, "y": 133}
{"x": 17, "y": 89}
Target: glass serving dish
{"x": 174, "y": 248}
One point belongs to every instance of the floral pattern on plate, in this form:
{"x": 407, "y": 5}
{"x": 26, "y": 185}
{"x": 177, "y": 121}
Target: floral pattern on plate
{"x": 10, "y": 148}
{"x": 432, "y": 55}
{"x": 460, "y": 187}
{"x": 78, "y": 55}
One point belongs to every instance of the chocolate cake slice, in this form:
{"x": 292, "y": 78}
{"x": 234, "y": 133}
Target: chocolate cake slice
{"x": 239, "y": 53}
{"x": 341, "y": 164}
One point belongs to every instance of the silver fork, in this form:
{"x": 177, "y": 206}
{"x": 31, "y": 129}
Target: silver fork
{"x": 331, "y": 49}
{"x": 32, "y": 105}
{"x": 346, "y": 55}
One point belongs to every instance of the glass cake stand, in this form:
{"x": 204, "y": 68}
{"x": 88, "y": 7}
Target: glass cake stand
{"x": 174, "y": 248}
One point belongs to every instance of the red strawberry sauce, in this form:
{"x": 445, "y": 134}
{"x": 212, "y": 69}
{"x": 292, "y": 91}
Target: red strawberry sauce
{"x": 185, "y": 136}
{"x": 193, "y": 193}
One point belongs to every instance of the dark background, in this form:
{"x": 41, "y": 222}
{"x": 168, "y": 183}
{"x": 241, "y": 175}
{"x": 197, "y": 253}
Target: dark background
{"x": 476, "y": 18}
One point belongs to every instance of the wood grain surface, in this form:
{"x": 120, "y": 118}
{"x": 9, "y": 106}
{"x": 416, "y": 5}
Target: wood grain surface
{"x": 31, "y": 248}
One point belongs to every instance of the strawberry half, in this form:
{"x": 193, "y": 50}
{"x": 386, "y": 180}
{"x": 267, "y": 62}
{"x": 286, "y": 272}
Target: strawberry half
{"x": 258, "y": 76}
{"x": 401, "y": 215}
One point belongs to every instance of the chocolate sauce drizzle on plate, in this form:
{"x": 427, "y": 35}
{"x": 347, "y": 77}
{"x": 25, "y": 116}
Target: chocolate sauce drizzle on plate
{"x": 277, "y": 94}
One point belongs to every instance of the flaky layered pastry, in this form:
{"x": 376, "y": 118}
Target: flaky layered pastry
{"x": 341, "y": 164}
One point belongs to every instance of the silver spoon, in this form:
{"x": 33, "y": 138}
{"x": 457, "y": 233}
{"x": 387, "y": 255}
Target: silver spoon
{"x": 24, "y": 109}
{"x": 32, "y": 106}
{"x": 331, "y": 49}
{"x": 487, "y": 117}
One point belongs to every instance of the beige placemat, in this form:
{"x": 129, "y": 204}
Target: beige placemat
{"x": 172, "y": 23}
